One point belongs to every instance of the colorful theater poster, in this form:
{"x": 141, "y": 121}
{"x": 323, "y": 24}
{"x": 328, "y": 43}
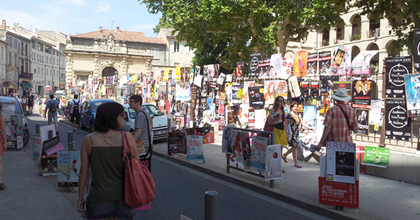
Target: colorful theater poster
{"x": 300, "y": 63}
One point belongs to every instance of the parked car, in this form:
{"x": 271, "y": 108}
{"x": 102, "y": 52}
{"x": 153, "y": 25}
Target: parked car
{"x": 10, "y": 103}
{"x": 89, "y": 107}
{"x": 159, "y": 120}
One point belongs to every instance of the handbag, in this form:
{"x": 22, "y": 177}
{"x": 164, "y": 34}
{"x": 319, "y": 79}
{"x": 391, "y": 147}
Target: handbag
{"x": 268, "y": 127}
{"x": 139, "y": 187}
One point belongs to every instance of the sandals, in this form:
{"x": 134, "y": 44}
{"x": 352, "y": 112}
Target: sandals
{"x": 284, "y": 158}
{"x": 2, "y": 186}
{"x": 300, "y": 166}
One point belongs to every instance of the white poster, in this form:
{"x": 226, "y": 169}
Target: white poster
{"x": 361, "y": 63}
{"x": 276, "y": 65}
{"x": 345, "y": 66}
{"x": 341, "y": 158}
{"x": 198, "y": 80}
{"x": 273, "y": 168}
{"x": 195, "y": 153}
{"x": 260, "y": 118}
{"x": 258, "y": 153}
{"x": 286, "y": 68}
{"x": 376, "y": 113}
{"x": 68, "y": 166}
{"x": 44, "y": 131}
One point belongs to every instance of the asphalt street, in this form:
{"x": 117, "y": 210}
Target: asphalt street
{"x": 180, "y": 190}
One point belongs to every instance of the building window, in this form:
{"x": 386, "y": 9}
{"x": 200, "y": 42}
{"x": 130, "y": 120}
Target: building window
{"x": 10, "y": 58}
{"x": 42, "y": 71}
{"x": 155, "y": 53}
{"x": 10, "y": 42}
{"x": 2, "y": 51}
{"x": 16, "y": 60}
{"x": 176, "y": 46}
{"x": 34, "y": 71}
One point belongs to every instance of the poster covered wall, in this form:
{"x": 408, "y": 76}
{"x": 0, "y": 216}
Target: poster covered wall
{"x": 412, "y": 88}
{"x": 361, "y": 63}
{"x": 396, "y": 68}
{"x": 397, "y": 123}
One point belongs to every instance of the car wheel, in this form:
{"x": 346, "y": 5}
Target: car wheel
{"x": 25, "y": 137}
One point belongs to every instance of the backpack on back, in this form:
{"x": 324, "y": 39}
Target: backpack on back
{"x": 52, "y": 108}
{"x": 76, "y": 107}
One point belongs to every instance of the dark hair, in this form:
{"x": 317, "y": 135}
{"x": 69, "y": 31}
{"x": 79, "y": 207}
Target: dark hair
{"x": 293, "y": 103}
{"x": 75, "y": 96}
{"x": 107, "y": 115}
{"x": 1, "y": 106}
{"x": 137, "y": 98}
{"x": 51, "y": 96}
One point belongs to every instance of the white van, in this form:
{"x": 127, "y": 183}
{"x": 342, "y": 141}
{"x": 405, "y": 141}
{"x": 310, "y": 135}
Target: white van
{"x": 61, "y": 93}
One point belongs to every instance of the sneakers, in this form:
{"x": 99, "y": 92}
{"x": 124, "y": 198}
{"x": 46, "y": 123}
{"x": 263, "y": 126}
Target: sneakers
{"x": 2, "y": 186}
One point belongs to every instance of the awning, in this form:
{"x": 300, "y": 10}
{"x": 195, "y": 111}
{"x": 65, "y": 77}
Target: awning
{"x": 26, "y": 85}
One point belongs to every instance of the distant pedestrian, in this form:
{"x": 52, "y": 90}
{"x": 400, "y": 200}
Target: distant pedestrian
{"x": 142, "y": 123}
{"x": 75, "y": 113}
{"x": 52, "y": 108}
{"x": 102, "y": 151}
{"x": 3, "y": 147}
{"x": 31, "y": 101}
{"x": 24, "y": 103}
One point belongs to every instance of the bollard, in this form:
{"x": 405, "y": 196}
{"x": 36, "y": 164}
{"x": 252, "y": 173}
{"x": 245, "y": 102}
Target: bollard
{"x": 70, "y": 141}
{"x": 37, "y": 129}
{"x": 210, "y": 205}
{"x": 50, "y": 134}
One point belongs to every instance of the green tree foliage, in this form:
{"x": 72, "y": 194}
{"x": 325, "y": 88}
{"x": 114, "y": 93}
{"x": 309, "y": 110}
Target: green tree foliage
{"x": 403, "y": 15}
{"x": 163, "y": 23}
{"x": 245, "y": 25}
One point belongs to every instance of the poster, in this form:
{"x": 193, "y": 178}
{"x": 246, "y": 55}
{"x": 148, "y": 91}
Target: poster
{"x": 258, "y": 153}
{"x": 176, "y": 142}
{"x": 273, "y": 168}
{"x": 396, "y": 68}
{"x": 221, "y": 79}
{"x": 206, "y": 73}
{"x": 286, "y": 68}
{"x": 412, "y": 88}
{"x": 198, "y": 80}
{"x": 336, "y": 62}
{"x": 44, "y": 131}
{"x": 345, "y": 67}
{"x": 309, "y": 116}
{"x": 300, "y": 63}
{"x": 243, "y": 113}
{"x": 341, "y": 162}
{"x": 254, "y": 60}
{"x": 264, "y": 69}
{"x": 280, "y": 87}
{"x": 376, "y": 115}
{"x": 362, "y": 92}
{"x": 362, "y": 116}
{"x": 178, "y": 74}
{"x": 417, "y": 63}
{"x": 246, "y": 150}
{"x": 206, "y": 132}
{"x": 240, "y": 67}
{"x": 294, "y": 87}
{"x": 182, "y": 93}
{"x": 260, "y": 118}
{"x": 237, "y": 94}
{"x": 376, "y": 156}
{"x": 256, "y": 97}
{"x": 308, "y": 143}
{"x": 361, "y": 63}
{"x": 195, "y": 152}
{"x": 276, "y": 65}
{"x": 245, "y": 97}
{"x": 324, "y": 62}
{"x": 13, "y": 127}
{"x": 228, "y": 139}
{"x": 269, "y": 94}
{"x": 312, "y": 64}
{"x": 397, "y": 123}
{"x": 338, "y": 194}
{"x": 68, "y": 166}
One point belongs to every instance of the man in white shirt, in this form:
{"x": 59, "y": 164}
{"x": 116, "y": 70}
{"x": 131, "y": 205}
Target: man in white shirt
{"x": 76, "y": 107}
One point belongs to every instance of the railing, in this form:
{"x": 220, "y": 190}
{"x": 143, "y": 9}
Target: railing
{"x": 24, "y": 75}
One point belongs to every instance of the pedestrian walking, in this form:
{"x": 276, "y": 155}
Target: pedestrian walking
{"x": 31, "y": 101}
{"x": 142, "y": 123}
{"x": 278, "y": 119}
{"x": 103, "y": 152}
{"x": 295, "y": 123}
{"x": 24, "y": 103}
{"x": 52, "y": 108}
{"x": 339, "y": 121}
{"x": 75, "y": 109}
{"x": 3, "y": 147}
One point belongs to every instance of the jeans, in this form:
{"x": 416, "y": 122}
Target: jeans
{"x": 116, "y": 209}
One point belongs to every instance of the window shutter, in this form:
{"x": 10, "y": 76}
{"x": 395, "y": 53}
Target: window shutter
{"x": 173, "y": 47}
{"x": 180, "y": 47}
{"x": 187, "y": 49}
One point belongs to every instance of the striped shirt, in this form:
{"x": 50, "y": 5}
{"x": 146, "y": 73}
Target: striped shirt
{"x": 335, "y": 120}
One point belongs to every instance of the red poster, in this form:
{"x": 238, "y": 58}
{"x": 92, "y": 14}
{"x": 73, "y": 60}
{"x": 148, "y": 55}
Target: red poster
{"x": 338, "y": 194}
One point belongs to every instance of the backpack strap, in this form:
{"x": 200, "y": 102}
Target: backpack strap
{"x": 345, "y": 116}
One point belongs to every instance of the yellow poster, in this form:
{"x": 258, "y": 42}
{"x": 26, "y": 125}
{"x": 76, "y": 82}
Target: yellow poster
{"x": 166, "y": 74}
{"x": 178, "y": 74}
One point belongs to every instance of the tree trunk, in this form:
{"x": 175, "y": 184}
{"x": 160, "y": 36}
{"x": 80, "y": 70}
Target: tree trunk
{"x": 255, "y": 33}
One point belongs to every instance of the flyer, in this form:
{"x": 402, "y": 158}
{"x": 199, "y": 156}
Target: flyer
{"x": 195, "y": 152}
{"x": 362, "y": 116}
{"x": 256, "y": 97}
{"x": 412, "y": 88}
{"x": 273, "y": 168}
{"x": 397, "y": 122}
{"x": 324, "y": 63}
{"x": 396, "y": 68}
{"x": 341, "y": 162}
{"x": 68, "y": 166}
{"x": 258, "y": 153}
{"x": 376, "y": 156}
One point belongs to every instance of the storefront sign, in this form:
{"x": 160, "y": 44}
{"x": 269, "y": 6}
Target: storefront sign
{"x": 376, "y": 156}
{"x": 396, "y": 68}
{"x": 341, "y": 160}
{"x": 338, "y": 194}
{"x": 412, "y": 88}
{"x": 397, "y": 123}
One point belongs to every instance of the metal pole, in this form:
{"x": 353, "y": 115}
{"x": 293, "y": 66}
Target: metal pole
{"x": 210, "y": 205}
{"x": 70, "y": 141}
{"x": 37, "y": 129}
{"x": 382, "y": 138}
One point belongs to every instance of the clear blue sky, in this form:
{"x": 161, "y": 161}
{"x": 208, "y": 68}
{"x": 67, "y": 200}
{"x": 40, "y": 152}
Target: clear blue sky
{"x": 79, "y": 16}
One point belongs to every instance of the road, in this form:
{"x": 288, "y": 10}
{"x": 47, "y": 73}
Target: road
{"x": 180, "y": 190}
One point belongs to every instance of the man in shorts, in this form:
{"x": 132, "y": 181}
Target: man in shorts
{"x": 75, "y": 112}
{"x": 52, "y": 108}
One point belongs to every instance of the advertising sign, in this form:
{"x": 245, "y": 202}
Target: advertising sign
{"x": 362, "y": 121}
{"x": 258, "y": 153}
{"x": 361, "y": 93}
{"x": 68, "y": 166}
{"x": 397, "y": 123}
{"x": 396, "y": 68}
{"x": 345, "y": 66}
{"x": 312, "y": 64}
{"x": 254, "y": 60}
{"x": 273, "y": 168}
{"x": 280, "y": 88}
{"x": 376, "y": 114}
{"x": 361, "y": 63}
{"x": 324, "y": 63}
{"x": 300, "y": 63}
{"x": 412, "y": 88}
{"x": 286, "y": 68}
{"x": 195, "y": 152}
{"x": 338, "y": 194}
{"x": 176, "y": 142}
{"x": 376, "y": 156}
{"x": 256, "y": 97}
{"x": 336, "y": 62}
{"x": 341, "y": 158}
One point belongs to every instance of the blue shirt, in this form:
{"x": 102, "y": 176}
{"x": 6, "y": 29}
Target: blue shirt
{"x": 52, "y": 102}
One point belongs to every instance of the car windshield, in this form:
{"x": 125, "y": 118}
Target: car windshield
{"x": 153, "y": 110}
{"x": 95, "y": 105}
{"x": 132, "y": 113}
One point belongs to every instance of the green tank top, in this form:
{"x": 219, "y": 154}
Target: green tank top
{"x": 107, "y": 168}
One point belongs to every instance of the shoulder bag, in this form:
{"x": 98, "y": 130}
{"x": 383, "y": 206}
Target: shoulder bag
{"x": 345, "y": 116}
{"x": 141, "y": 148}
{"x": 139, "y": 187}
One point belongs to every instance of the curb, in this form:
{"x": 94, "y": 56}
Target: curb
{"x": 263, "y": 191}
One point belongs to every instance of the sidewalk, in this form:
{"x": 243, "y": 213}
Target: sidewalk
{"x": 379, "y": 198}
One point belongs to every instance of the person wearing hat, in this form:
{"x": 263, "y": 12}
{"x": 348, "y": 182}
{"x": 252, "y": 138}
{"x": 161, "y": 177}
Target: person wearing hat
{"x": 339, "y": 121}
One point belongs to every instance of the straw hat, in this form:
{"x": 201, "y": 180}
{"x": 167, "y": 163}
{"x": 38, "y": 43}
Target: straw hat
{"x": 341, "y": 95}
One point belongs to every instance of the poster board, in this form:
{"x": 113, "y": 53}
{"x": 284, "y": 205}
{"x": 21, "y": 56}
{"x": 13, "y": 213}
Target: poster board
{"x": 176, "y": 142}
{"x": 397, "y": 122}
{"x": 273, "y": 164}
{"x": 341, "y": 162}
{"x": 396, "y": 68}
{"x": 68, "y": 166}
{"x": 376, "y": 156}
{"x": 412, "y": 89}
{"x": 195, "y": 153}
{"x": 338, "y": 194}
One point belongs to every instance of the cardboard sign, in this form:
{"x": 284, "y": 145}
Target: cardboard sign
{"x": 338, "y": 194}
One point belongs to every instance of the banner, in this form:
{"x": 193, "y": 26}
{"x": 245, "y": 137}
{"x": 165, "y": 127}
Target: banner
{"x": 276, "y": 65}
{"x": 412, "y": 88}
{"x": 338, "y": 58}
{"x": 345, "y": 66}
{"x": 258, "y": 153}
{"x": 396, "y": 68}
{"x": 269, "y": 88}
{"x": 256, "y": 97}
{"x": 195, "y": 153}
{"x": 341, "y": 158}
{"x": 254, "y": 60}
{"x": 361, "y": 63}
{"x": 376, "y": 156}
{"x": 264, "y": 66}
{"x": 362, "y": 121}
{"x": 324, "y": 63}
{"x": 273, "y": 168}
{"x": 68, "y": 166}
{"x": 397, "y": 123}
{"x": 361, "y": 93}
{"x": 312, "y": 64}
{"x": 300, "y": 63}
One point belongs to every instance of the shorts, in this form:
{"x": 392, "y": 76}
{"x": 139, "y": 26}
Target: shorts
{"x": 280, "y": 137}
{"x": 116, "y": 209}
{"x": 75, "y": 117}
{"x": 52, "y": 117}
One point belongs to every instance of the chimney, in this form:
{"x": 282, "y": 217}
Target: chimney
{"x": 118, "y": 30}
{"x": 101, "y": 28}
{"x": 3, "y": 24}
